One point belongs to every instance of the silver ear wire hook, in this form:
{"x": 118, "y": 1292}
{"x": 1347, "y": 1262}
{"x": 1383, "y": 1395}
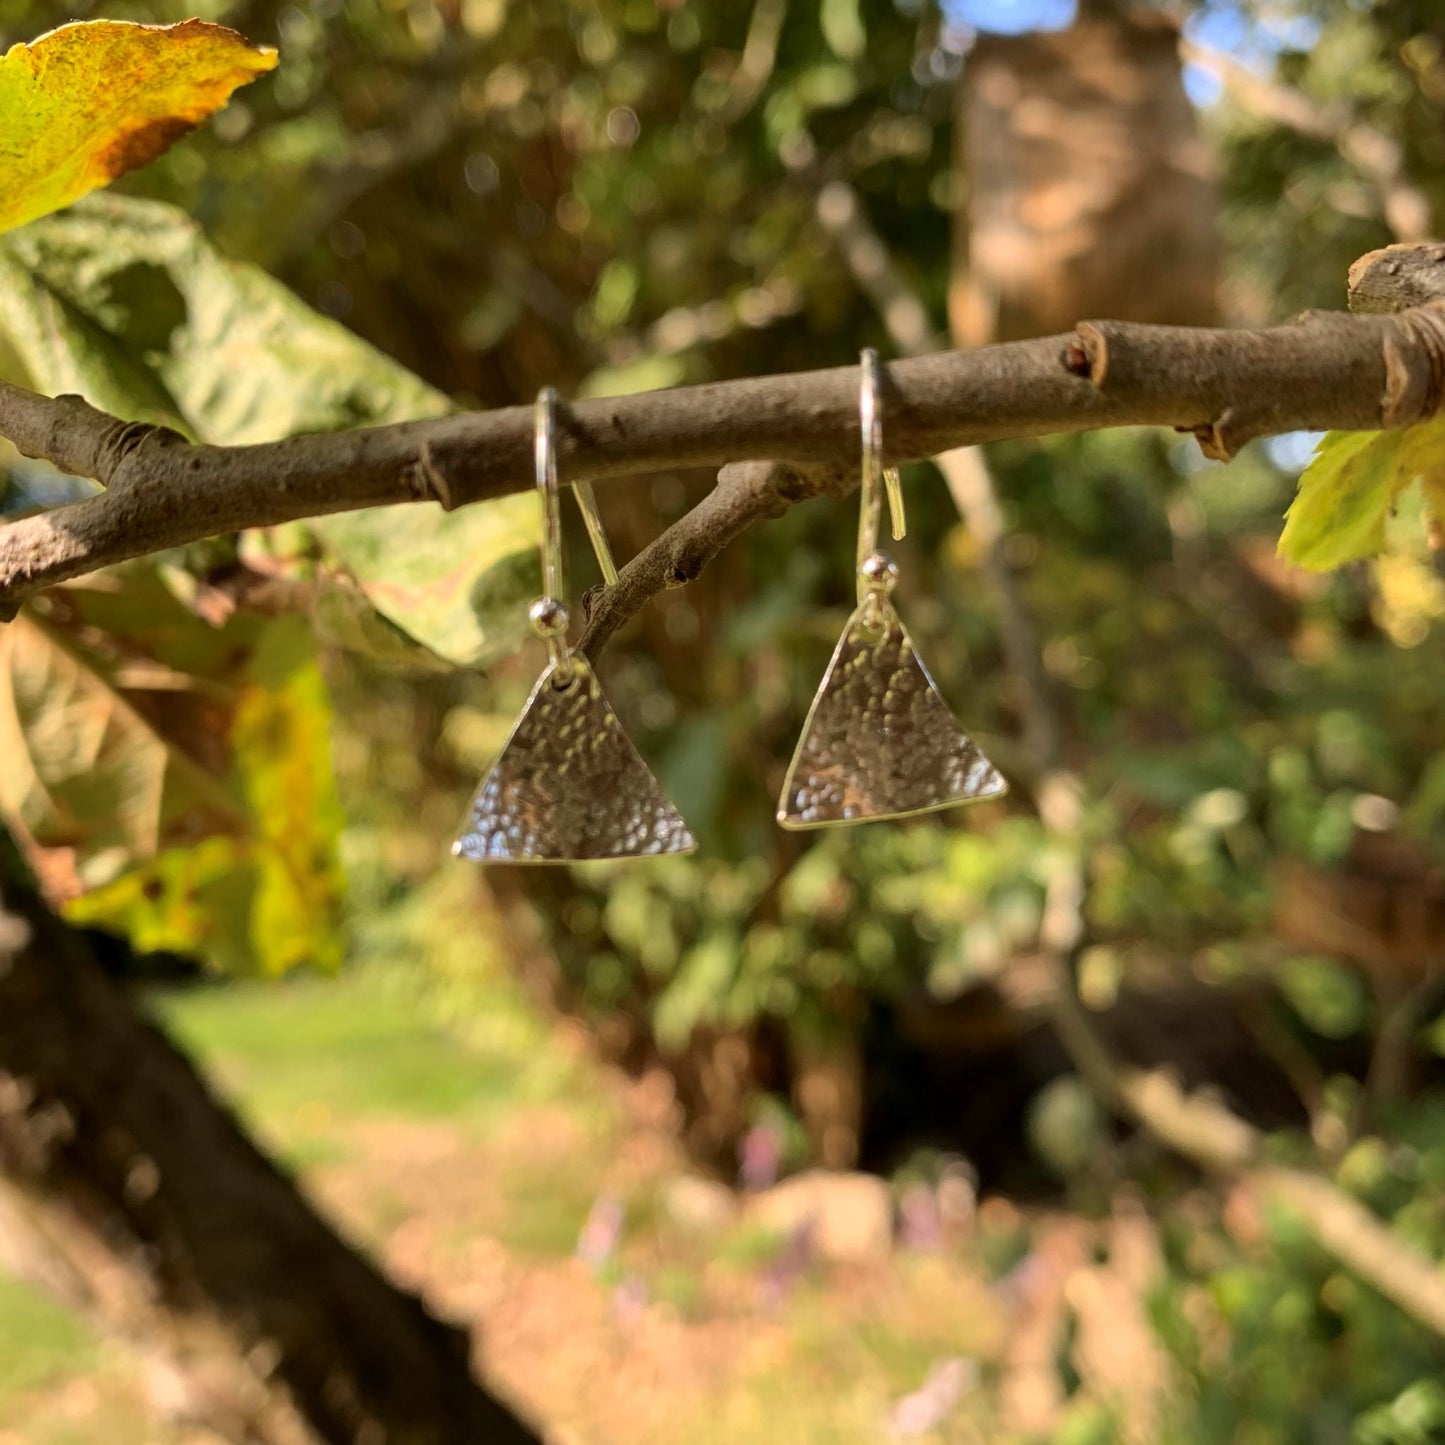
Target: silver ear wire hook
{"x": 549, "y": 612}
{"x": 871, "y": 573}
{"x": 545, "y": 451}
{"x": 587, "y": 502}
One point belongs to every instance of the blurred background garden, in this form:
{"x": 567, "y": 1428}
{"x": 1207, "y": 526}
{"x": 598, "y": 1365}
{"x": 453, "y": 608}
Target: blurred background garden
{"x": 814, "y": 1137}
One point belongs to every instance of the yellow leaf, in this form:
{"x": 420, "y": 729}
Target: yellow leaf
{"x": 1351, "y": 487}
{"x": 90, "y": 101}
{"x": 1345, "y": 495}
{"x": 1423, "y": 456}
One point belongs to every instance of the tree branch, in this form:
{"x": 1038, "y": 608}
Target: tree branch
{"x": 1211, "y": 1136}
{"x": 1395, "y": 278}
{"x": 1328, "y": 370}
{"x": 746, "y": 492}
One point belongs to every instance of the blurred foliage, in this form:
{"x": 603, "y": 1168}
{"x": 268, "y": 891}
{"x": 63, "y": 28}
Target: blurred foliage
{"x": 727, "y": 942}
{"x": 1297, "y": 212}
{"x": 1275, "y": 1343}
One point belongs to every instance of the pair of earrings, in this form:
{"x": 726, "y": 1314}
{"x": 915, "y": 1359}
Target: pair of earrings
{"x": 879, "y": 741}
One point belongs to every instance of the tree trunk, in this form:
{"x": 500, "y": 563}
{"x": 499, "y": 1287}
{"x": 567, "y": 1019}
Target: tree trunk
{"x": 124, "y": 1183}
{"x": 1089, "y": 187}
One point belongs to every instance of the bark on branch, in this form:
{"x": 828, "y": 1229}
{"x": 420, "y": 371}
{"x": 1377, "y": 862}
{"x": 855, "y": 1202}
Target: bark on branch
{"x": 1395, "y": 278}
{"x": 1327, "y": 370}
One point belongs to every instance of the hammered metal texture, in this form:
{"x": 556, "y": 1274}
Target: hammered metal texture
{"x": 879, "y": 741}
{"x": 570, "y": 786}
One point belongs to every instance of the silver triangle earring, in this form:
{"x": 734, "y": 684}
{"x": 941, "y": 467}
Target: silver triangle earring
{"x": 568, "y": 785}
{"x": 879, "y": 741}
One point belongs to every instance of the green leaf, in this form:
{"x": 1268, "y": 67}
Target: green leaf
{"x": 457, "y": 582}
{"x": 192, "y": 901}
{"x": 1345, "y": 494}
{"x": 90, "y": 101}
{"x": 170, "y": 779}
{"x": 344, "y": 618}
{"x": 131, "y": 293}
{"x": 282, "y": 747}
{"x": 128, "y": 304}
{"x": 1415, "y": 1417}
{"x": 1330, "y": 998}
{"x": 1348, "y": 490}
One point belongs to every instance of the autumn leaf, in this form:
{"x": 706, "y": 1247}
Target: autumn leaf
{"x": 172, "y": 780}
{"x": 90, "y": 101}
{"x": 1352, "y": 484}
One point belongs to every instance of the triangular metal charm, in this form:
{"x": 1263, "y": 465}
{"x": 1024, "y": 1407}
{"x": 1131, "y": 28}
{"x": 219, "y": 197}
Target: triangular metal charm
{"x": 570, "y": 786}
{"x": 879, "y": 741}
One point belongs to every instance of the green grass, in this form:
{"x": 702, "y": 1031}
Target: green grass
{"x": 349, "y": 1046}
{"x": 302, "y": 1060}
{"x": 41, "y": 1343}
{"x": 425, "y": 1026}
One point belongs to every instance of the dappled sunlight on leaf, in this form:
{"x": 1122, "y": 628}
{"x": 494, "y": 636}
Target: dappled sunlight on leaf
{"x": 126, "y": 303}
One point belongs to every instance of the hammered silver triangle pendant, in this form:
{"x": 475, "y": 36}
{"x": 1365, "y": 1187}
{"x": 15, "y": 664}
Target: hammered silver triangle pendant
{"x": 569, "y": 785}
{"x": 879, "y": 741}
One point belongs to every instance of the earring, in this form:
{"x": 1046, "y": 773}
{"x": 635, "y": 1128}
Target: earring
{"x": 879, "y": 741}
{"x": 568, "y": 784}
